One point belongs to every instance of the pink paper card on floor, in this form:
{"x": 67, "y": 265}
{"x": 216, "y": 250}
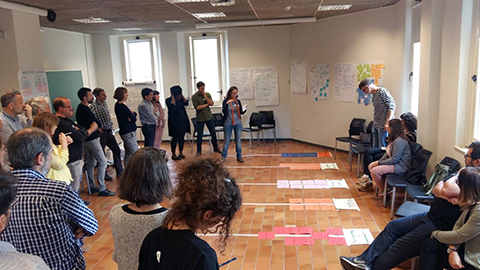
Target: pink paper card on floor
{"x": 319, "y": 235}
{"x": 320, "y": 182}
{"x": 304, "y": 230}
{"x": 307, "y": 241}
{"x": 266, "y": 235}
{"x": 283, "y": 184}
{"x": 285, "y": 230}
{"x": 337, "y": 241}
{"x": 295, "y": 182}
{"x": 334, "y": 231}
{"x": 312, "y": 207}
{"x": 312, "y": 200}
{"x": 328, "y": 208}
{"x": 296, "y": 207}
{"x": 293, "y": 241}
{"x": 295, "y": 200}
{"x": 308, "y": 182}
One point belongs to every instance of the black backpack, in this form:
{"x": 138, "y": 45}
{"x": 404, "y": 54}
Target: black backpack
{"x": 415, "y": 174}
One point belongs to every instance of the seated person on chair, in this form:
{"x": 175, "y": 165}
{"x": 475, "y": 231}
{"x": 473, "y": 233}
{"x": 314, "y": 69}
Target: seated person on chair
{"x": 395, "y": 160}
{"x": 459, "y": 248}
{"x": 399, "y": 240}
{"x": 409, "y": 122}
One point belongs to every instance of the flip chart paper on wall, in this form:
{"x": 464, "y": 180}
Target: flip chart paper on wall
{"x": 319, "y": 81}
{"x": 266, "y": 88}
{"x": 242, "y": 78}
{"x": 33, "y": 84}
{"x": 345, "y": 82}
{"x": 298, "y": 77}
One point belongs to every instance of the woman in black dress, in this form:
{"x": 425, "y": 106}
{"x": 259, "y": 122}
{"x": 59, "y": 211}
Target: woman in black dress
{"x": 178, "y": 123}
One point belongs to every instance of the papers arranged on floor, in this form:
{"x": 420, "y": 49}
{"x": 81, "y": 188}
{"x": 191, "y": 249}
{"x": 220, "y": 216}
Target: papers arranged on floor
{"x": 346, "y": 204}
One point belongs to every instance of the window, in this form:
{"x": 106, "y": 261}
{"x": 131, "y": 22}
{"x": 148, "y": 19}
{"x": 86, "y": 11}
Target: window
{"x": 207, "y": 63}
{"x": 415, "y": 78}
{"x": 142, "y": 60}
{"x": 476, "y": 125}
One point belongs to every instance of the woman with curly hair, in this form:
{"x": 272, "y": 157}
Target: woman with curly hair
{"x": 206, "y": 199}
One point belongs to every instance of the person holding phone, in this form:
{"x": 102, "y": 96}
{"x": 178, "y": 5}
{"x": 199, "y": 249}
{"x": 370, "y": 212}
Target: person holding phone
{"x": 232, "y": 114}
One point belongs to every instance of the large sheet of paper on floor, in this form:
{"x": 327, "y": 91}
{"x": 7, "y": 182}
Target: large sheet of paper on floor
{"x": 346, "y": 204}
{"x": 358, "y": 236}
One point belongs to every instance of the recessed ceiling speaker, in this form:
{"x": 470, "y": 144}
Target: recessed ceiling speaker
{"x": 51, "y": 15}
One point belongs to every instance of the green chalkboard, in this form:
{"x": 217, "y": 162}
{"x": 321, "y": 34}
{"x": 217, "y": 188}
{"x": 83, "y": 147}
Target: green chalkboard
{"x": 65, "y": 83}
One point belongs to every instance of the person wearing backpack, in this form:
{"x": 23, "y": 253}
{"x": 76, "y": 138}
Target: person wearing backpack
{"x": 399, "y": 240}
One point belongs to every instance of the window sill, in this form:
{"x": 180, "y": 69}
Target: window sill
{"x": 461, "y": 149}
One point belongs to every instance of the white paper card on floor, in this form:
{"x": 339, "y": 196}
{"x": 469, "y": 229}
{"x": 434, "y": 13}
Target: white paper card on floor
{"x": 337, "y": 184}
{"x": 346, "y": 204}
{"x": 329, "y": 166}
{"x": 358, "y": 236}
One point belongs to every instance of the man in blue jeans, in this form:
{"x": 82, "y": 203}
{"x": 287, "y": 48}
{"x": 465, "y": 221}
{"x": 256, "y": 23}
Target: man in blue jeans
{"x": 148, "y": 116}
{"x": 402, "y": 238}
{"x": 384, "y": 108}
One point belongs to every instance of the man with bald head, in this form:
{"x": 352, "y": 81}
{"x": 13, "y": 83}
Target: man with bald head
{"x": 401, "y": 239}
{"x": 64, "y": 110}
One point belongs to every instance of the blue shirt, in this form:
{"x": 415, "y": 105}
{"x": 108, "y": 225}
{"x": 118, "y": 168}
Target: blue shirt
{"x": 43, "y": 221}
{"x": 147, "y": 113}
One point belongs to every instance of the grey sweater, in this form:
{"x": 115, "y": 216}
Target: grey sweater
{"x": 129, "y": 230}
{"x": 400, "y": 156}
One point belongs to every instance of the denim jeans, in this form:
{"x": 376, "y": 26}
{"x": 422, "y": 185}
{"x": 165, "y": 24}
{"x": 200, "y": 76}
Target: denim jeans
{"x": 238, "y": 139}
{"x": 434, "y": 256}
{"x": 399, "y": 241}
{"x": 149, "y": 133}
{"x": 211, "y": 128}
{"x": 95, "y": 156}
{"x": 76, "y": 169}
{"x": 379, "y": 137}
{"x": 130, "y": 144}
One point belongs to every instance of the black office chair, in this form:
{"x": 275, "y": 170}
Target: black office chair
{"x": 195, "y": 134}
{"x": 418, "y": 193}
{"x": 254, "y": 126}
{"x": 356, "y": 126}
{"x": 268, "y": 122}
{"x": 219, "y": 122}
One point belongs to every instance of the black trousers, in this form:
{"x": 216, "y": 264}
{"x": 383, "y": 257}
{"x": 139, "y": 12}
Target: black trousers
{"x": 180, "y": 141}
{"x": 107, "y": 139}
{"x": 371, "y": 155}
{"x": 434, "y": 256}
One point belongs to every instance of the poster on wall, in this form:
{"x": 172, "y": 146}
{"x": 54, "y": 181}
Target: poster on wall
{"x": 298, "y": 78}
{"x": 345, "y": 82}
{"x": 135, "y": 94}
{"x": 265, "y": 82}
{"x": 319, "y": 81}
{"x": 242, "y": 78}
{"x": 33, "y": 84}
{"x": 369, "y": 70}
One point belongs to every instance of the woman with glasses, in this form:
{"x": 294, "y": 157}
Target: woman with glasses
{"x": 232, "y": 113}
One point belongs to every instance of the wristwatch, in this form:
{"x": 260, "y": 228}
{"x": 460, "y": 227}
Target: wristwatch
{"x": 450, "y": 250}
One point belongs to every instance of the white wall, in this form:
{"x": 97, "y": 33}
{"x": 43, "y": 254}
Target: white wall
{"x": 8, "y": 53}
{"x": 359, "y": 37}
{"x": 64, "y": 50}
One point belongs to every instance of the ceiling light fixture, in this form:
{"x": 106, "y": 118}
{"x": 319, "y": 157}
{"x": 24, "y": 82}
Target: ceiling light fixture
{"x": 186, "y": 1}
{"x": 220, "y": 3}
{"x": 91, "y": 20}
{"x": 127, "y": 29}
{"x": 209, "y": 15}
{"x": 334, "y": 7}
{"x": 173, "y": 21}
{"x": 254, "y": 23}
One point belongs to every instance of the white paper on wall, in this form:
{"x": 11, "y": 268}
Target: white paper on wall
{"x": 298, "y": 78}
{"x": 345, "y": 82}
{"x": 242, "y": 78}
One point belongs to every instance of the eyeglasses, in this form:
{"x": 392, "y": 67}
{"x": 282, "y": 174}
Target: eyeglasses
{"x": 467, "y": 155}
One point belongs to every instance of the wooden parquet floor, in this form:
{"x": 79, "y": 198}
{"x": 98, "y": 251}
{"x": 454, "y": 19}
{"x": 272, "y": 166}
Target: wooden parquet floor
{"x": 251, "y": 252}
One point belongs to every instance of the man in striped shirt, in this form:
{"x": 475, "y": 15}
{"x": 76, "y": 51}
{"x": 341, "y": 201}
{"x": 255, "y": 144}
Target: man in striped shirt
{"x": 384, "y": 109}
{"x": 49, "y": 219}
